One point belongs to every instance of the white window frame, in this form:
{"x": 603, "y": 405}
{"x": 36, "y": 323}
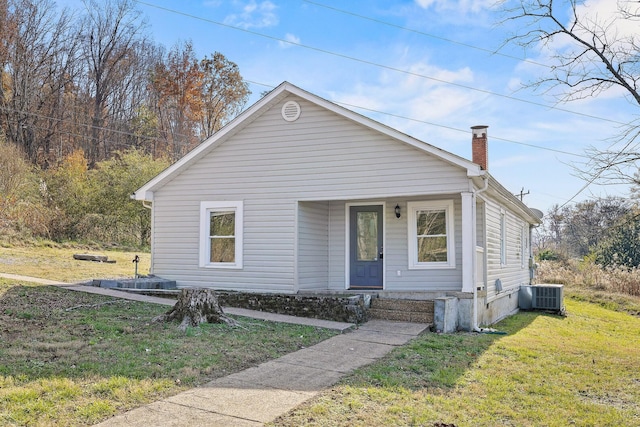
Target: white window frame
{"x": 206, "y": 208}
{"x": 412, "y": 231}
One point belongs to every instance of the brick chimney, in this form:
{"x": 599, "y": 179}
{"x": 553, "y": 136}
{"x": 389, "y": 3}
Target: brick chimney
{"x": 479, "y": 147}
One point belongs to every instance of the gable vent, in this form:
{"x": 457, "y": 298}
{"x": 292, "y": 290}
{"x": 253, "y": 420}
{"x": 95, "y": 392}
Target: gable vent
{"x": 291, "y": 111}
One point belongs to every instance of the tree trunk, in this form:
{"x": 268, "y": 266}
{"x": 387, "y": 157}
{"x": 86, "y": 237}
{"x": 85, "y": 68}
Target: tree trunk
{"x": 196, "y": 306}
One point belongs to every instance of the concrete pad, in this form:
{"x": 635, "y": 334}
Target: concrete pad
{"x": 237, "y": 400}
{"x": 164, "y": 414}
{"x": 323, "y": 360}
{"x": 394, "y": 327}
{"x": 345, "y": 345}
{"x": 287, "y": 377}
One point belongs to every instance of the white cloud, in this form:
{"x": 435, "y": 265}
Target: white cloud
{"x": 461, "y": 6}
{"x": 290, "y": 38}
{"x": 607, "y": 11}
{"x": 254, "y": 15}
{"x": 433, "y": 105}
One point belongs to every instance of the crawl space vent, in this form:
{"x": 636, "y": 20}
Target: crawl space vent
{"x": 291, "y": 111}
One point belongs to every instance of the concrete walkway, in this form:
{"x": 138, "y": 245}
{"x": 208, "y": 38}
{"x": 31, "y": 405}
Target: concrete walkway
{"x": 260, "y": 394}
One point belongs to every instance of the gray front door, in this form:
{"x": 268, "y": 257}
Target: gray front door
{"x": 365, "y": 243}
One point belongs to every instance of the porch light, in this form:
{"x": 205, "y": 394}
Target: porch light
{"x": 397, "y": 211}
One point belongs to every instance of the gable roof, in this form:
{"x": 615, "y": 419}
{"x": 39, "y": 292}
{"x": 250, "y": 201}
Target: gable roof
{"x": 276, "y": 95}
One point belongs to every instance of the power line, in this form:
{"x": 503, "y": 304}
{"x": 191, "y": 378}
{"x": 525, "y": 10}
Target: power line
{"x": 422, "y": 33}
{"x": 398, "y": 116}
{"x": 375, "y": 64}
{"x": 465, "y": 131}
{"x": 186, "y": 143}
{"x": 91, "y": 126}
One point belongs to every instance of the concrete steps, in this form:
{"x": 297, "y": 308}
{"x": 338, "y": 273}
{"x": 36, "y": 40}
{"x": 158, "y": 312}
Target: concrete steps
{"x": 405, "y": 310}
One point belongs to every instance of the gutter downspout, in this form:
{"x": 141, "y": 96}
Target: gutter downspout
{"x": 475, "y": 327}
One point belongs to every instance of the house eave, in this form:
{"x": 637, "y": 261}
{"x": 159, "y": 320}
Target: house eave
{"x": 283, "y": 90}
{"x": 496, "y": 189}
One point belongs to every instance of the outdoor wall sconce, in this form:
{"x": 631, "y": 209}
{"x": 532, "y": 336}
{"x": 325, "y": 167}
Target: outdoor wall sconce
{"x": 397, "y": 211}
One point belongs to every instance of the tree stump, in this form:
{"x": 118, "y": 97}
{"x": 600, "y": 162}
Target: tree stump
{"x": 196, "y": 306}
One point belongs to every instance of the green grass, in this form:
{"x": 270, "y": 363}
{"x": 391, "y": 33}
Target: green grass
{"x": 547, "y": 371}
{"x": 70, "y": 358}
{"x": 65, "y": 364}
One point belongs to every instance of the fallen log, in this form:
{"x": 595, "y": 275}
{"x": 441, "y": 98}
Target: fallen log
{"x": 91, "y": 257}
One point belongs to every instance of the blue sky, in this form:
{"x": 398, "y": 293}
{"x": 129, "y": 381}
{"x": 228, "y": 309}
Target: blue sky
{"x": 441, "y": 76}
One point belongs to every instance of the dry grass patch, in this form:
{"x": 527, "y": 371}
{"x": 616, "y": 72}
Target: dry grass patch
{"x": 57, "y": 263}
{"x": 615, "y": 288}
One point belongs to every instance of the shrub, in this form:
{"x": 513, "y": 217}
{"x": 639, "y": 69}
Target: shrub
{"x": 23, "y": 214}
{"x": 547, "y": 255}
{"x": 622, "y": 245}
{"x": 95, "y": 205}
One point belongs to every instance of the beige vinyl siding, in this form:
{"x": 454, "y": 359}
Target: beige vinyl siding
{"x": 272, "y": 165}
{"x": 480, "y": 224}
{"x": 337, "y": 246}
{"x": 512, "y": 274}
{"x": 397, "y": 253}
{"x": 313, "y": 244}
{"x": 268, "y": 249}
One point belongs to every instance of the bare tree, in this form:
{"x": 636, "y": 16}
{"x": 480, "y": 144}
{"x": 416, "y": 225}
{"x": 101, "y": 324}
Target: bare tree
{"x": 111, "y": 31}
{"x": 93, "y": 80}
{"x": 591, "y": 52}
{"x": 7, "y": 32}
{"x": 39, "y": 63}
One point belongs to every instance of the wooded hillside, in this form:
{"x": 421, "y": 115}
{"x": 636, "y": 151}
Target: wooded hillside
{"x": 91, "y": 108}
{"x": 94, "y": 80}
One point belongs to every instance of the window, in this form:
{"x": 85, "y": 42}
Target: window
{"x": 221, "y": 234}
{"x": 503, "y": 238}
{"x": 431, "y": 235}
{"x": 525, "y": 245}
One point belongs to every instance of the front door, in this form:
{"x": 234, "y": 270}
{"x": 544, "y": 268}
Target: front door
{"x": 365, "y": 243}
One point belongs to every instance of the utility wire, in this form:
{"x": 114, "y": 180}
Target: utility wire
{"x": 465, "y": 131}
{"x": 186, "y": 143}
{"x": 91, "y": 126}
{"x": 422, "y": 33}
{"x": 375, "y": 64}
{"x": 596, "y": 176}
{"x": 439, "y": 125}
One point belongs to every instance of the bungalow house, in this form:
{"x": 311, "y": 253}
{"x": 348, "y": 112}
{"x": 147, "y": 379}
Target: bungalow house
{"x": 298, "y": 194}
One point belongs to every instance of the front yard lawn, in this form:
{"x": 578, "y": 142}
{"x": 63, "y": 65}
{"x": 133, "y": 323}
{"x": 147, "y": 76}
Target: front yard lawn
{"x": 70, "y": 358}
{"x": 579, "y": 370}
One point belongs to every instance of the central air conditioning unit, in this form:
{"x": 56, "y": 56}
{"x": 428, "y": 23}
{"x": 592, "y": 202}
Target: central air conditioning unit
{"x": 545, "y": 296}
